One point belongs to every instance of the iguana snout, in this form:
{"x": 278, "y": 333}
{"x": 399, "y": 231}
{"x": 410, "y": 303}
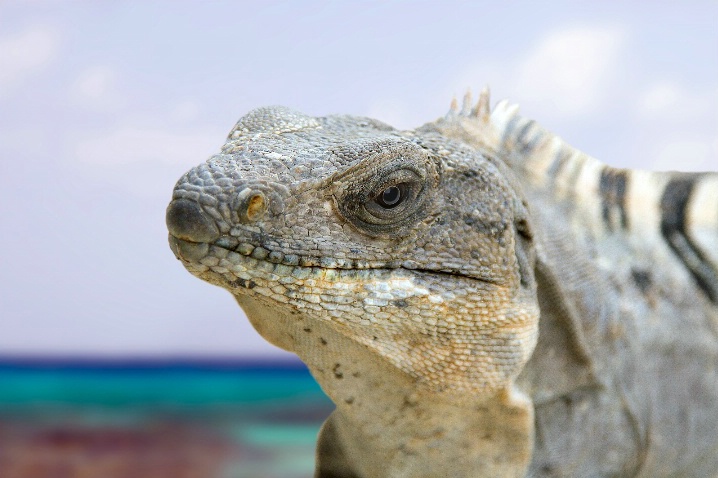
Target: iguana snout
{"x": 187, "y": 221}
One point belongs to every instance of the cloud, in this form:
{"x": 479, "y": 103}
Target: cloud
{"x": 668, "y": 99}
{"x": 684, "y": 122}
{"x": 567, "y": 73}
{"x": 25, "y": 53}
{"x": 659, "y": 99}
{"x": 570, "y": 70}
{"x": 137, "y": 144}
{"x": 570, "y": 77}
{"x": 185, "y": 111}
{"x": 685, "y": 153}
{"x": 96, "y": 87}
{"x": 142, "y": 161}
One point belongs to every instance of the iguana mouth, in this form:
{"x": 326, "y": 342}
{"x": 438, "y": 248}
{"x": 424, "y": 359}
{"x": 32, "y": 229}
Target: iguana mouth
{"x": 191, "y": 251}
{"x": 199, "y": 252}
{"x": 245, "y": 261}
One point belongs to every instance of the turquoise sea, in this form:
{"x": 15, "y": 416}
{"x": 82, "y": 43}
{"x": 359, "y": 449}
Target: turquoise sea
{"x": 141, "y": 418}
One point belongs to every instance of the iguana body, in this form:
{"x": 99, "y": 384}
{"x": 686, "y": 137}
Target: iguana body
{"x": 475, "y": 296}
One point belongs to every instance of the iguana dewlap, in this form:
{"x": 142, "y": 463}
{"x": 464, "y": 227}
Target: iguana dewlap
{"x": 477, "y": 297}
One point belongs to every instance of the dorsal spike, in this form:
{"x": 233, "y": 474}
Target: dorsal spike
{"x": 453, "y": 108}
{"x": 466, "y": 104}
{"x": 482, "y": 110}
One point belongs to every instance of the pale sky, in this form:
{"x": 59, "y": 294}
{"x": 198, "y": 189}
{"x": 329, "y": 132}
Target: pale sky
{"x": 103, "y": 106}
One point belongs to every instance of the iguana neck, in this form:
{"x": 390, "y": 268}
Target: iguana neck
{"x": 393, "y": 425}
{"x": 422, "y": 435}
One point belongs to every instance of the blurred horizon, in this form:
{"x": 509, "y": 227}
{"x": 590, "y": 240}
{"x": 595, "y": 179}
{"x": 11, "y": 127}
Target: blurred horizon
{"x": 104, "y": 105}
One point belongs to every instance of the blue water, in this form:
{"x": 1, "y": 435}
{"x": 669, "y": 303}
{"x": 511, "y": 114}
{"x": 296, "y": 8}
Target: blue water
{"x": 147, "y": 382}
{"x": 268, "y": 413}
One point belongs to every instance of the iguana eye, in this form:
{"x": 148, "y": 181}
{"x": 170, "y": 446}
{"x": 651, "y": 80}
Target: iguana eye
{"x": 391, "y": 196}
{"x": 393, "y": 199}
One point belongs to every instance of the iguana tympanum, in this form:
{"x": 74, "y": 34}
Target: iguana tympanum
{"x": 478, "y": 298}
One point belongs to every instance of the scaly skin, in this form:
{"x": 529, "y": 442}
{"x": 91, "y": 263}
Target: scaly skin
{"x": 403, "y": 268}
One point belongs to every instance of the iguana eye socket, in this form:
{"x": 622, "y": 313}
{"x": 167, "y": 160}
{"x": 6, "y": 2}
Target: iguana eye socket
{"x": 388, "y": 204}
{"x": 391, "y": 196}
{"x": 388, "y": 191}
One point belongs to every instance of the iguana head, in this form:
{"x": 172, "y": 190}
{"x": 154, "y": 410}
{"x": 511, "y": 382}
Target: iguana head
{"x": 415, "y": 246}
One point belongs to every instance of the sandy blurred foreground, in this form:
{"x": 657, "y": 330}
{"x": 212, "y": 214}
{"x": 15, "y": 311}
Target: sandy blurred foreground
{"x": 173, "y": 422}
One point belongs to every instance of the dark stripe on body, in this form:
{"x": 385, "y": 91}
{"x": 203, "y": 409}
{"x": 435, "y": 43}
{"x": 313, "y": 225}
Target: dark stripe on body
{"x": 674, "y": 202}
{"x": 612, "y": 187}
{"x": 559, "y": 162}
{"x": 526, "y": 144}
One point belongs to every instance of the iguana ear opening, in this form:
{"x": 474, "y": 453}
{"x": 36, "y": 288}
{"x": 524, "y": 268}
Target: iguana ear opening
{"x": 524, "y": 247}
{"x": 525, "y": 253}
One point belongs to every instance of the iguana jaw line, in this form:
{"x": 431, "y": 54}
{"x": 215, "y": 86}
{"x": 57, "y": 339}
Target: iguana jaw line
{"x": 193, "y": 253}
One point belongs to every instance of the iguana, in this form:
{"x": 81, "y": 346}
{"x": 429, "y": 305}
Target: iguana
{"x": 477, "y": 297}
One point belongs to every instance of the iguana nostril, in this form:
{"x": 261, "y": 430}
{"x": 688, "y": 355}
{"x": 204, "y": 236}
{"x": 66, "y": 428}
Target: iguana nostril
{"x": 251, "y": 205}
{"x": 186, "y": 220}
